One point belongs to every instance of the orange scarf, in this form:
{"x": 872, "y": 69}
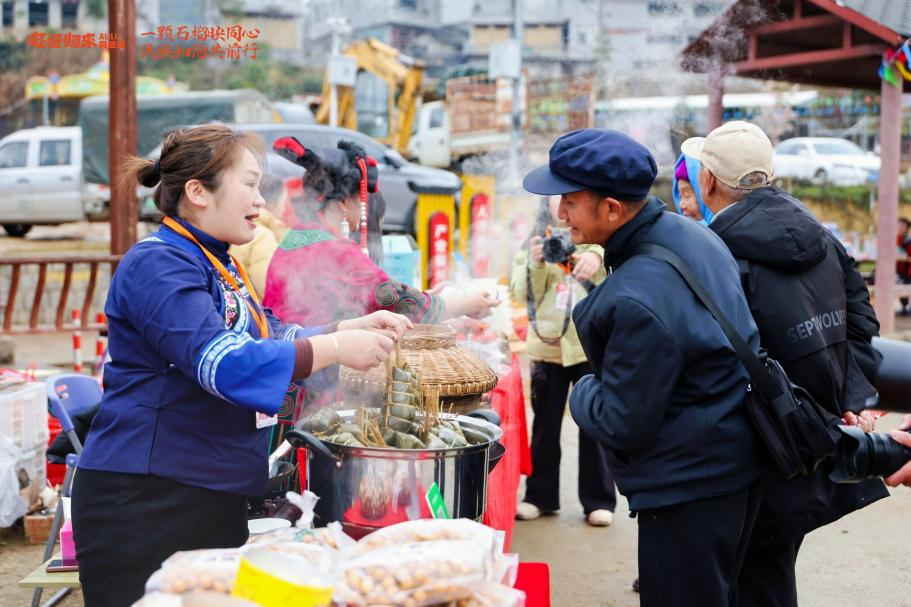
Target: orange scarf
{"x": 258, "y": 314}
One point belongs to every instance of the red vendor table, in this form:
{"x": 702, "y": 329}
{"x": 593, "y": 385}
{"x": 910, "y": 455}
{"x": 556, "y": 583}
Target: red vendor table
{"x": 508, "y": 400}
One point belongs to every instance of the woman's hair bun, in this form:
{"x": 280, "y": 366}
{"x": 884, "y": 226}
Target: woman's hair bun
{"x": 151, "y": 175}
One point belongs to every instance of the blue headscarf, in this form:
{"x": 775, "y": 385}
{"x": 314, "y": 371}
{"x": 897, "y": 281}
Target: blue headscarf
{"x": 692, "y": 171}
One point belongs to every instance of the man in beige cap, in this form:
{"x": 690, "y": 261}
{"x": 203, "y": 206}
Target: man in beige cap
{"x": 814, "y": 316}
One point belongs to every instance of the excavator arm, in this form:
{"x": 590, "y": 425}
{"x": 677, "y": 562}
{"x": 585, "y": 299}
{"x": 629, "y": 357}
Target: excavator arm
{"x": 402, "y": 76}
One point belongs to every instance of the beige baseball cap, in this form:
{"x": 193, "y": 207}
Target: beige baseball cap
{"x": 733, "y": 151}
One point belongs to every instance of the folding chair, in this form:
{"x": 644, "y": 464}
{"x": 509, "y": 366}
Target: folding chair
{"x": 67, "y": 394}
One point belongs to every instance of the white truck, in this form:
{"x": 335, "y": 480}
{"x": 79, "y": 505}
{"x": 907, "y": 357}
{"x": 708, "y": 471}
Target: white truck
{"x": 41, "y": 179}
{"x": 474, "y": 119}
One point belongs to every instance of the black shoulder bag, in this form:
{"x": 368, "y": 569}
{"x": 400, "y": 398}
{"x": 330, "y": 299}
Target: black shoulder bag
{"x": 790, "y": 423}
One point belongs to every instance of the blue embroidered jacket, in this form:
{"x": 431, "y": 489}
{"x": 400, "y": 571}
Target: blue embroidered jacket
{"x": 188, "y": 370}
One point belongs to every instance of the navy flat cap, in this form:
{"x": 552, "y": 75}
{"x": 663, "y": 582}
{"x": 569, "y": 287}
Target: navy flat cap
{"x": 599, "y": 160}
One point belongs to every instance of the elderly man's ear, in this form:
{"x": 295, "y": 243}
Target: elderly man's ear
{"x": 614, "y": 208}
{"x": 709, "y": 182}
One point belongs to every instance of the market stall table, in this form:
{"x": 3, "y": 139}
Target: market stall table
{"x": 508, "y": 400}
{"x": 40, "y": 578}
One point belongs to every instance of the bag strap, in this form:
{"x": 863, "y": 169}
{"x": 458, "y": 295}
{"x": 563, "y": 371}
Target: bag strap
{"x": 532, "y": 307}
{"x": 762, "y": 380}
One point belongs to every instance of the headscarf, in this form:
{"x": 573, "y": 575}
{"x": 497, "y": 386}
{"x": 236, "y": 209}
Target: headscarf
{"x": 690, "y": 167}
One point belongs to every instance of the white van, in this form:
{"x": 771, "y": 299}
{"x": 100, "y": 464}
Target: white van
{"x": 40, "y": 178}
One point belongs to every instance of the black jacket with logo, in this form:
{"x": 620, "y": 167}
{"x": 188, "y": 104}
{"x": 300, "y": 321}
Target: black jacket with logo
{"x": 814, "y": 316}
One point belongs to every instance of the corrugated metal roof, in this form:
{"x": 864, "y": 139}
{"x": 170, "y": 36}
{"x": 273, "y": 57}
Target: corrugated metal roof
{"x": 894, "y": 14}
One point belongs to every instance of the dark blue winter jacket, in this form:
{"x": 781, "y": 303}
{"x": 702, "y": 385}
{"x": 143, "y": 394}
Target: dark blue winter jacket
{"x": 667, "y": 397}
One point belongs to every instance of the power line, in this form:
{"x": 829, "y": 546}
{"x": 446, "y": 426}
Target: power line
{"x": 12, "y": 108}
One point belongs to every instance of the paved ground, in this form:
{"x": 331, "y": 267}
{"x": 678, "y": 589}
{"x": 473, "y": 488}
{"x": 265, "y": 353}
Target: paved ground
{"x": 595, "y": 567}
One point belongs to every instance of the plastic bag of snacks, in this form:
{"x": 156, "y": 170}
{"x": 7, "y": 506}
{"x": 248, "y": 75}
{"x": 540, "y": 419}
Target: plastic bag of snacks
{"x": 414, "y": 575}
{"x": 270, "y": 579}
{"x": 330, "y": 536}
{"x": 213, "y": 570}
{"x": 433, "y": 530}
{"x": 489, "y": 594}
{"x": 191, "y": 599}
{"x": 320, "y": 557}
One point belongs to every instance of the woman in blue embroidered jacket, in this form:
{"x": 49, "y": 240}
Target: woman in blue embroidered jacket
{"x": 198, "y": 370}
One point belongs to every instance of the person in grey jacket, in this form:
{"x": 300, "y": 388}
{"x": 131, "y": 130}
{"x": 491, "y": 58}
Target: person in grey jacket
{"x": 666, "y": 398}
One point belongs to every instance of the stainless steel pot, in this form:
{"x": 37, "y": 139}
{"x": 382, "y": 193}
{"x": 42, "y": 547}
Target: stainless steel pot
{"x": 366, "y": 488}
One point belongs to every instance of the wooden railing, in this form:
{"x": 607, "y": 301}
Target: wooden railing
{"x": 69, "y": 262}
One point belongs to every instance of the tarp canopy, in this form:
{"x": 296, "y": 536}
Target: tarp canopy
{"x": 156, "y": 115}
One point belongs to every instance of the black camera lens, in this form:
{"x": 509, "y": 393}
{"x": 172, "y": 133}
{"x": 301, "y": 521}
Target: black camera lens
{"x": 861, "y": 455}
{"x": 558, "y": 248}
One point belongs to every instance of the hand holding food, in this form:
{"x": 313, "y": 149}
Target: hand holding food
{"x": 383, "y": 322}
{"x": 362, "y": 350}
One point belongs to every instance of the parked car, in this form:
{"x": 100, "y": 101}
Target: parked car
{"x": 41, "y": 178}
{"x": 395, "y": 171}
{"x": 825, "y": 160}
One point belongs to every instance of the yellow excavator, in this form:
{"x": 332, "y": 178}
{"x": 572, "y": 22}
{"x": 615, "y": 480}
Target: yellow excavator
{"x": 402, "y": 76}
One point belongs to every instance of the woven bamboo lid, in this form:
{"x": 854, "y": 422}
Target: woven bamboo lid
{"x": 431, "y": 350}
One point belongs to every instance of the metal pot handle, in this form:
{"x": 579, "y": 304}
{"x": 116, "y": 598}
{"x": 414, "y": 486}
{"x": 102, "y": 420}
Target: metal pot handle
{"x": 488, "y": 415}
{"x": 301, "y": 438}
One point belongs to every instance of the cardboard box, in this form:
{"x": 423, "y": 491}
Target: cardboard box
{"x": 38, "y": 528}
{"x": 402, "y": 260}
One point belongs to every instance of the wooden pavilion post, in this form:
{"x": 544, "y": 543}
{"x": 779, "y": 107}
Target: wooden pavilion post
{"x": 716, "y": 97}
{"x": 887, "y": 207}
{"x": 122, "y": 123}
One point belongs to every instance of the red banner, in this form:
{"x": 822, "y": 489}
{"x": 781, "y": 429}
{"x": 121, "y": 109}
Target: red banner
{"x": 438, "y": 256}
{"x": 480, "y": 235}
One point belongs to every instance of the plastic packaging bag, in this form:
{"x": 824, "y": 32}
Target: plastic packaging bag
{"x": 489, "y": 594}
{"x": 306, "y": 503}
{"x": 213, "y": 570}
{"x": 12, "y": 506}
{"x": 320, "y": 557}
{"x": 414, "y": 575}
{"x": 330, "y": 536}
{"x": 197, "y": 598}
{"x": 433, "y": 530}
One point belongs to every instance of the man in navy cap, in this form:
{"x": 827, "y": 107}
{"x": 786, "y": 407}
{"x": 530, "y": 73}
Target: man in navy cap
{"x": 666, "y": 399}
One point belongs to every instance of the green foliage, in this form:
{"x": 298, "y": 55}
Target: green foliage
{"x": 275, "y": 79}
{"x": 13, "y": 55}
{"x": 95, "y": 8}
{"x": 855, "y": 196}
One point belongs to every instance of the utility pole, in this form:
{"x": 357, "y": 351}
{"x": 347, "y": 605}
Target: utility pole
{"x": 515, "y": 139}
{"x": 340, "y": 27}
{"x": 122, "y": 123}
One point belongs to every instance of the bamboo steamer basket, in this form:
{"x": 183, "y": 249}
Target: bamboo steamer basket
{"x": 431, "y": 350}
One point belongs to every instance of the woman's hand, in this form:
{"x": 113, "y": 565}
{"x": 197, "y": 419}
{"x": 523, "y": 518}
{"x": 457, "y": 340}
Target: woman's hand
{"x": 362, "y": 350}
{"x": 383, "y": 322}
{"x": 478, "y": 305}
{"x": 586, "y": 265}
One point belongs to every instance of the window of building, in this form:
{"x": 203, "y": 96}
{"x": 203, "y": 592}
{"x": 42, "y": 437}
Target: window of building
{"x": 664, "y": 39}
{"x": 70, "y": 11}
{"x": 14, "y": 155}
{"x": 54, "y": 153}
{"x": 37, "y": 13}
{"x": 704, "y": 9}
{"x": 7, "y": 8}
{"x": 663, "y": 7}
{"x": 409, "y": 4}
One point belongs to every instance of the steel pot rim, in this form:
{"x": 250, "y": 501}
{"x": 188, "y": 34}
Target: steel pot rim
{"x": 493, "y": 433}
